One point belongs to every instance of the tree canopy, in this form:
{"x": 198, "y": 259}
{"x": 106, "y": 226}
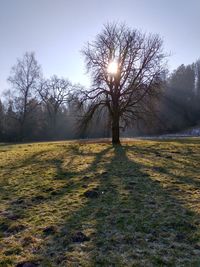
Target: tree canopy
{"x": 126, "y": 67}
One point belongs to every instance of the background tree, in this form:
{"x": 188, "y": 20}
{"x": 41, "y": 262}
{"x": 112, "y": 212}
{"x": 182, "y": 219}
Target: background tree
{"x": 197, "y": 78}
{"x": 126, "y": 68}
{"x": 11, "y": 123}
{"x": 179, "y": 105}
{"x": 24, "y": 79}
{"x": 54, "y": 92}
{"x": 181, "y": 89}
{"x": 2, "y": 120}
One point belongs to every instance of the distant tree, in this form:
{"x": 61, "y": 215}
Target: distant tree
{"x": 54, "y": 92}
{"x": 24, "y": 79}
{"x": 197, "y": 76}
{"x": 2, "y": 120}
{"x": 179, "y": 106}
{"x": 183, "y": 79}
{"x": 181, "y": 91}
{"x": 11, "y": 127}
{"x": 126, "y": 68}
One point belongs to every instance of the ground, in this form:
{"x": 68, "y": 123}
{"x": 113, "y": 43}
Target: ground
{"x": 92, "y": 204}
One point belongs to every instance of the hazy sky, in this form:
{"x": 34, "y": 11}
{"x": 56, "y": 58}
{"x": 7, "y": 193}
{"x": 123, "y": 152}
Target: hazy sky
{"x": 58, "y": 29}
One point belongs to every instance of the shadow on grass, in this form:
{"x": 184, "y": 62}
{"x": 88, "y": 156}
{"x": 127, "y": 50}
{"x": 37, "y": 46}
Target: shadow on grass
{"x": 189, "y": 140}
{"x": 132, "y": 221}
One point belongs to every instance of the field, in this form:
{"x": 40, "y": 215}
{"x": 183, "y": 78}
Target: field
{"x": 92, "y": 204}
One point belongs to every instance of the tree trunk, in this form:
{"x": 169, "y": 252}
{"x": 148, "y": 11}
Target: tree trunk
{"x": 21, "y": 132}
{"x": 115, "y": 130}
{"x": 22, "y": 128}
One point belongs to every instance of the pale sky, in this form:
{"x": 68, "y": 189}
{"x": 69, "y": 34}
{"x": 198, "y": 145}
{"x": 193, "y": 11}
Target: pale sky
{"x": 56, "y": 30}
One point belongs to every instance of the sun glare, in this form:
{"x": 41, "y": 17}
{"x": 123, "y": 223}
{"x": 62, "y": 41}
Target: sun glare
{"x": 112, "y": 67}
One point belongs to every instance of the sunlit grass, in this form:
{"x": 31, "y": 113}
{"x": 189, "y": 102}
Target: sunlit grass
{"x": 146, "y": 212}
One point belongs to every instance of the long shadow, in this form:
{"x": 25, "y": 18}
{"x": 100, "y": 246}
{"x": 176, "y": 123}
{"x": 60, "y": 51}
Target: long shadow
{"x": 172, "y": 162}
{"x": 132, "y": 221}
{"x": 22, "y": 204}
{"x": 56, "y": 245}
{"x": 189, "y": 140}
{"x": 148, "y": 226}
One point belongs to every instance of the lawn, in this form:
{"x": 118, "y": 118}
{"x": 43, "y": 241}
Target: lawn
{"x": 92, "y": 204}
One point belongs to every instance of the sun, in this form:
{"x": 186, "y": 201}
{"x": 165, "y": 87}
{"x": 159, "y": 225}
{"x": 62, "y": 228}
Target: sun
{"x": 112, "y": 67}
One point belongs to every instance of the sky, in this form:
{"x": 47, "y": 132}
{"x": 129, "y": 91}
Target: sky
{"x": 57, "y": 30}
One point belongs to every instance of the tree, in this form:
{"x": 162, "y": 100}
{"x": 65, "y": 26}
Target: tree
{"x": 181, "y": 92}
{"x": 126, "y": 67}
{"x": 197, "y": 74}
{"x": 2, "y": 120}
{"x": 11, "y": 123}
{"x": 24, "y": 78}
{"x": 179, "y": 105}
{"x": 54, "y": 92}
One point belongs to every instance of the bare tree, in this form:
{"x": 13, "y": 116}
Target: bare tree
{"x": 126, "y": 68}
{"x": 2, "y": 119}
{"x": 54, "y": 92}
{"x": 24, "y": 78}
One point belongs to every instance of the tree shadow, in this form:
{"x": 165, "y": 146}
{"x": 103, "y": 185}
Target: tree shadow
{"x": 182, "y": 140}
{"x": 132, "y": 221}
{"x": 175, "y": 159}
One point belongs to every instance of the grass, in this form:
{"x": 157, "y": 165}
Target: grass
{"x": 145, "y": 210}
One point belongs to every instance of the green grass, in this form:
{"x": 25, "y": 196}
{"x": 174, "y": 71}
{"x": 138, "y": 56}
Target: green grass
{"x": 146, "y": 213}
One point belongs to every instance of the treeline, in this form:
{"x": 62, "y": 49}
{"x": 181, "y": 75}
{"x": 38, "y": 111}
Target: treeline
{"x": 179, "y": 104}
{"x": 36, "y": 108}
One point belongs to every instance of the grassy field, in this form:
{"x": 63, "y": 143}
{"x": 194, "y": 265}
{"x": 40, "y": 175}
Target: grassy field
{"x": 87, "y": 204}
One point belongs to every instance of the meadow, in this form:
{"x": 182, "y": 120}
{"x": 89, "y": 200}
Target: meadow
{"x": 94, "y": 204}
